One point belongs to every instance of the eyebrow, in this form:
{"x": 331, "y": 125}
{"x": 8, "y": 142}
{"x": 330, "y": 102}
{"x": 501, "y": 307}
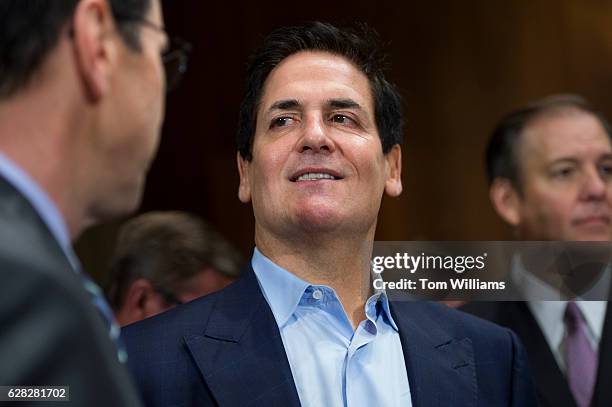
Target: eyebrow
{"x": 284, "y": 105}
{"x": 288, "y": 104}
{"x": 574, "y": 160}
{"x": 564, "y": 160}
{"x": 344, "y": 104}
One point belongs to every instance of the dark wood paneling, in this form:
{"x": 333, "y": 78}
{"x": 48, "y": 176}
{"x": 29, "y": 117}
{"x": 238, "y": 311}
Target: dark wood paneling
{"x": 459, "y": 65}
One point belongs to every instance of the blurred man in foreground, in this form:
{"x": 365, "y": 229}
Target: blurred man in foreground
{"x": 81, "y": 106}
{"x": 164, "y": 259}
{"x": 319, "y": 145}
{"x": 550, "y": 174}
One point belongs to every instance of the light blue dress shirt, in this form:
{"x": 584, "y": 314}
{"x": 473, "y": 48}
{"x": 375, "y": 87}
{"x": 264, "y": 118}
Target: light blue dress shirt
{"x": 332, "y": 365}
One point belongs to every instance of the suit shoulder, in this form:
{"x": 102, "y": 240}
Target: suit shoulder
{"x": 26, "y": 244}
{"x": 160, "y": 341}
{"x": 493, "y": 345}
{"x": 42, "y": 282}
{"x": 457, "y": 322}
{"x": 511, "y": 314}
{"x": 188, "y": 318}
{"x": 489, "y": 310}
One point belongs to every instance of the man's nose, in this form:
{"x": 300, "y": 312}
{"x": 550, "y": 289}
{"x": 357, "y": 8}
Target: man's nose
{"x": 315, "y": 136}
{"x": 594, "y": 186}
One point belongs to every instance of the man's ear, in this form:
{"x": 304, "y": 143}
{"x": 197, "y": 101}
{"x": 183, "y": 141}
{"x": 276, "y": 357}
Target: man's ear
{"x": 134, "y": 306}
{"x": 95, "y": 39}
{"x": 393, "y": 184}
{"x": 506, "y": 200}
{"x": 244, "y": 190}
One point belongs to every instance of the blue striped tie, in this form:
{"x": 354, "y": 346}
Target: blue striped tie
{"x": 107, "y": 315}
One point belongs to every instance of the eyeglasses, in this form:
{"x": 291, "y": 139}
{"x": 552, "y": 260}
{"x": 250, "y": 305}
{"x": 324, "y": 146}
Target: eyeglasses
{"x": 175, "y": 58}
{"x": 175, "y": 62}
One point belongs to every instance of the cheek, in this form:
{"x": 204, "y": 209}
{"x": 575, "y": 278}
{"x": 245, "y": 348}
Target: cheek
{"x": 554, "y": 208}
{"x": 156, "y": 89}
{"x": 151, "y": 78}
{"x": 372, "y": 170}
{"x": 269, "y": 163}
{"x": 366, "y": 155}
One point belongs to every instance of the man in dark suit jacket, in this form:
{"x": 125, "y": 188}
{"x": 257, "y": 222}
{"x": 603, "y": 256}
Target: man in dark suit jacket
{"x": 81, "y": 105}
{"x": 225, "y": 349}
{"x": 548, "y": 168}
{"x": 319, "y": 144}
{"x": 51, "y": 333}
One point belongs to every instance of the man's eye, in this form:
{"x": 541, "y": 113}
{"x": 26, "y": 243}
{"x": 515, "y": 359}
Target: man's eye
{"x": 605, "y": 169}
{"x": 342, "y": 119}
{"x": 281, "y": 122}
{"x": 563, "y": 172}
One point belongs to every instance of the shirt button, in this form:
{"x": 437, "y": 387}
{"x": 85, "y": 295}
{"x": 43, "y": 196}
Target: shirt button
{"x": 317, "y": 294}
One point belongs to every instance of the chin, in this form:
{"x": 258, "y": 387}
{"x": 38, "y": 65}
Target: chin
{"x": 320, "y": 219}
{"x": 592, "y": 234}
{"x": 119, "y": 204}
{"x": 317, "y": 223}
{"x": 130, "y": 203}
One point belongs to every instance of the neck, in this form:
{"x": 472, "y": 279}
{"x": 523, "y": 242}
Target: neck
{"x": 35, "y": 134}
{"x": 340, "y": 263}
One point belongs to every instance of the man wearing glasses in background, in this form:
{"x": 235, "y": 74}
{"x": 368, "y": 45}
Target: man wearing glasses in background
{"x": 81, "y": 107}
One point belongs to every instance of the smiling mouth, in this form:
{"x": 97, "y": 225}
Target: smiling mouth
{"x": 315, "y": 176}
{"x": 593, "y": 220}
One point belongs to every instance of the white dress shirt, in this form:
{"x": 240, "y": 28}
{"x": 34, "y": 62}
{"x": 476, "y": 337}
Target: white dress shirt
{"x": 549, "y": 314}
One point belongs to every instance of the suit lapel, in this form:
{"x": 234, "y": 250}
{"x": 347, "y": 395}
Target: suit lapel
{"x": 15, "y": 209}
{"x": 441, "y": 369}
{"x": 240, "y": 354}
{"x": 550, "y": 381}
{"x": 603, "y": 390}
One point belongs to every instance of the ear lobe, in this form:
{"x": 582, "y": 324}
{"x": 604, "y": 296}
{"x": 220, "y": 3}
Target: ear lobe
{"x": 134, "y": 304}
{"x": 94, "y": 47}
{"x": 505, "y": 200}
{"x": 393, "y": 184}
{"x": 244, "y": 189}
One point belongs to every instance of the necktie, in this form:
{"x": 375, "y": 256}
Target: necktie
{"x": 581, "y": 359}
{"x": 107, "y": 315}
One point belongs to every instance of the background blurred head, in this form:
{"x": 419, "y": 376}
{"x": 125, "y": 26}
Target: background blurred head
{"x": 89, "y": 74}
{"x": 549, "y": 167}
{"x": 163, "y": 259}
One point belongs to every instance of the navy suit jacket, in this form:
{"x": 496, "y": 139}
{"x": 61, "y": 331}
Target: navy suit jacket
{"x": 552, "y": 387}
{"x": 225, "y": 349}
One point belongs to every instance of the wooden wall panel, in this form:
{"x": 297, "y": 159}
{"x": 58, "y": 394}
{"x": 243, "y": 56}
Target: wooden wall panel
{"x": 459, "y": 65}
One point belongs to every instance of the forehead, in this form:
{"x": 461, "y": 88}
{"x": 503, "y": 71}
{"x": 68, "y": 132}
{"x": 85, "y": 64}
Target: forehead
{"x": 569, "y": 134}
{"x": 312, "y": 77}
